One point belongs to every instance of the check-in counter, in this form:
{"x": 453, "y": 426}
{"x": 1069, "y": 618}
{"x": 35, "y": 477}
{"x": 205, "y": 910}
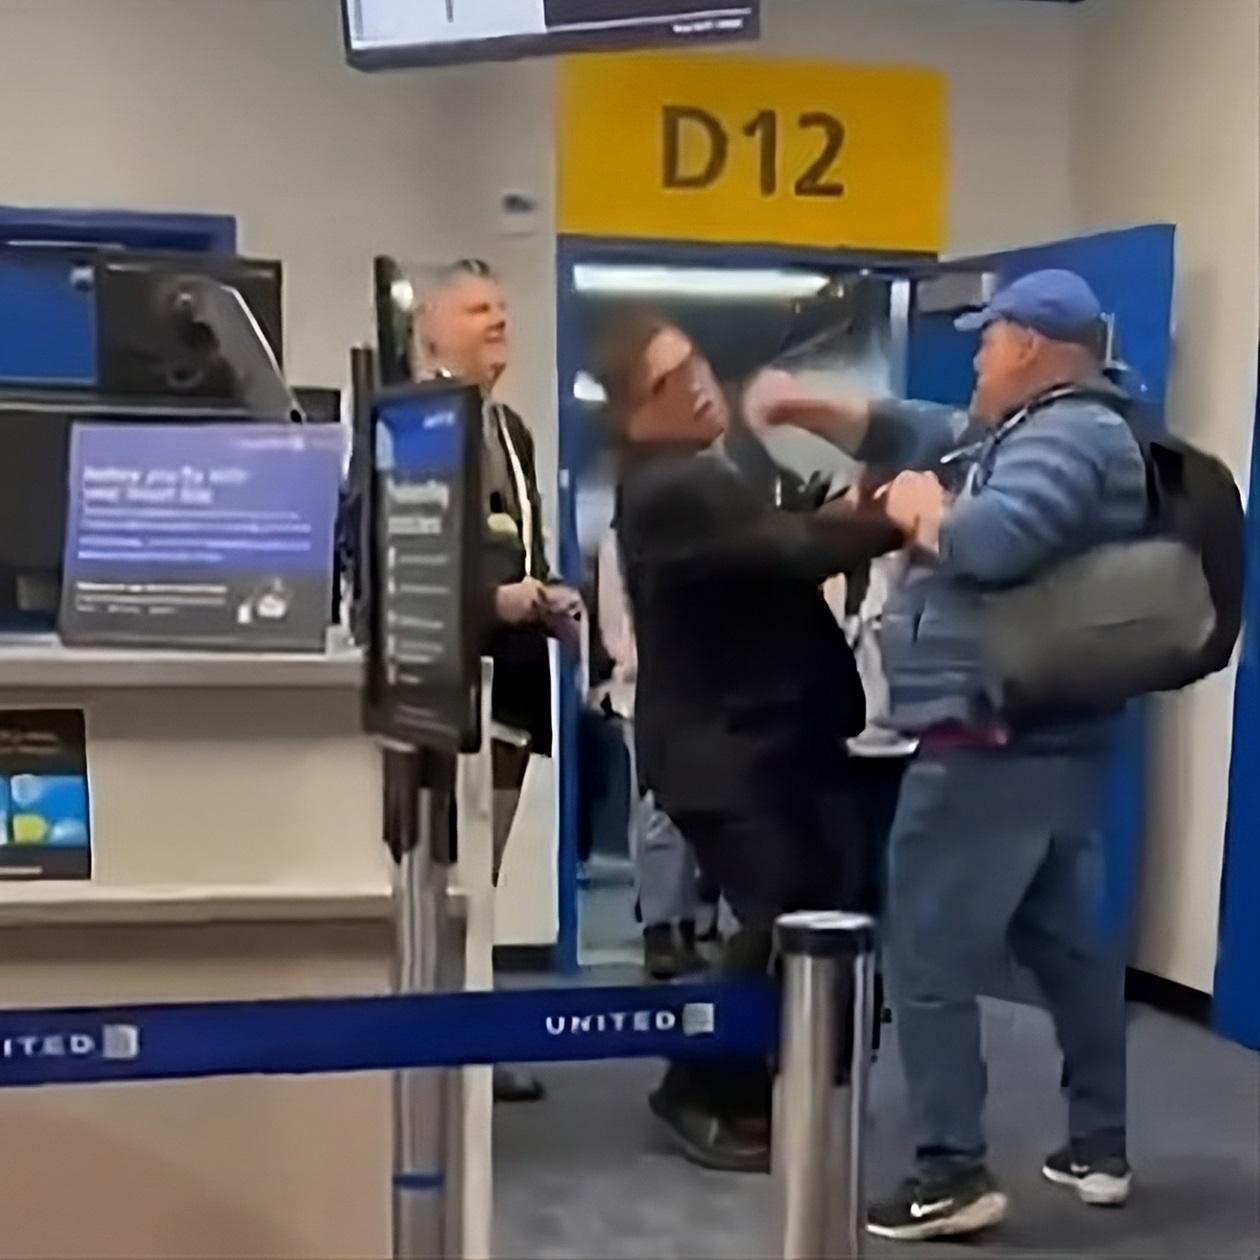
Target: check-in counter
{"x": 236, "y": 824}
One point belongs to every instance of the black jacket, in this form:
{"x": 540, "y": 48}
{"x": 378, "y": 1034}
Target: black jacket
{"x": 744, "y": 675}
{"x": 522, "y": 663}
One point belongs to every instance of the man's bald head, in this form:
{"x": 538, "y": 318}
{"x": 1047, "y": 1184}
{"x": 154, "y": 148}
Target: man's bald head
{"x": 461, "y": 325}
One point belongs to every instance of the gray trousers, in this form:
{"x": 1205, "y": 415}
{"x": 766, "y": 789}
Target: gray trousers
{"x": 990, "y": 851}
{"x": 664, "y": 864}
{"x": 665, "y": 867}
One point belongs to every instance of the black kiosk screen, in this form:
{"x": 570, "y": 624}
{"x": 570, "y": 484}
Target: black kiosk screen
{"x": 426, "y": 587}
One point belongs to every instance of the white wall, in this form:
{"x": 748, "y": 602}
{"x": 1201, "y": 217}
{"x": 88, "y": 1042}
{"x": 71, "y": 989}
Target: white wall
{"x": 247, "y": 107}
{"x": 1011, "y": 68}
{"x": 1168, "y": 128}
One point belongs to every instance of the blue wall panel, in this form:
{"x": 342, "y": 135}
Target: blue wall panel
{"x": 1237, "y": 997}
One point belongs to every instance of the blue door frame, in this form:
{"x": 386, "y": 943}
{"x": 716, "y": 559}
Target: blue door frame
{"x": 1236, "y": 1003}
{"x": 571, "y": 250}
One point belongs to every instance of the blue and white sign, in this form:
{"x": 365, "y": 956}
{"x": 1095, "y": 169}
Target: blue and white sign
{"x": 426, "y": 578}
{"x": 217, "y": 535}
{"x": 369, "y": 1034}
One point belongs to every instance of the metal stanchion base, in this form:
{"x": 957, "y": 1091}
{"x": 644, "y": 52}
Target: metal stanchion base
{"x": 819, "y": 1169}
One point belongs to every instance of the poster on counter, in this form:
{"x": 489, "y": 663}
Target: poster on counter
{"x": 213, "y": 536}
{"x": 425, "y": 580}
{"x": 45, "y": 804}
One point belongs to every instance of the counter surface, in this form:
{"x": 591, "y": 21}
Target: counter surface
{"x": 43, "y": 662}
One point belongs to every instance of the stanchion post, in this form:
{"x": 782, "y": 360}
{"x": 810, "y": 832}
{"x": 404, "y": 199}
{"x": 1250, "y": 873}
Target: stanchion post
{"x": 418, "y": 787}
{"x": 470, "y": 1167}
{"x": 821, "y": 1182}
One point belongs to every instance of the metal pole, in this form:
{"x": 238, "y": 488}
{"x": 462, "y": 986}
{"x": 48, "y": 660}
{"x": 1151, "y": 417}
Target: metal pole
{"x": 824, "y": 1206}
{"x": 470, "y": 1172}
{"x": 418, "y": 790}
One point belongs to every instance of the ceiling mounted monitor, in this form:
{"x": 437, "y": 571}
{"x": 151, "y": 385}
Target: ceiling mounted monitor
{"x": 389, "y": 33}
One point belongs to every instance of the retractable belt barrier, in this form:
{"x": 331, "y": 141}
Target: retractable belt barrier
{"x": 365, "y": 1034}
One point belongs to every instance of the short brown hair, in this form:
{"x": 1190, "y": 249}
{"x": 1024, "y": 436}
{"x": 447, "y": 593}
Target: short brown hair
{"x": 620, "y": 347}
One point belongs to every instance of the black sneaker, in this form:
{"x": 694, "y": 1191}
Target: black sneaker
{"x": 947, "y": 1208}
{"x": 660, "y": 953}
{"x": 1098, "y": 1182}
{"x": 512, "y": 1086}
{"x": 740, "y": 1146}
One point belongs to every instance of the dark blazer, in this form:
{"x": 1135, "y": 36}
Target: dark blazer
{"x": 744, "y": 675}
{"x": 522, "y": 663}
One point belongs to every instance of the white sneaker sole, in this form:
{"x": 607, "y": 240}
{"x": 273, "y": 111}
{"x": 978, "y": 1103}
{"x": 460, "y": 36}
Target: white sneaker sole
{"x": 1096, "y": 1190}
{"x": 985, "y": 1212}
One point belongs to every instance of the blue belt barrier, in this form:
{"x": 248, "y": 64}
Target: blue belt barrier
{"x": 335, "y": 1035}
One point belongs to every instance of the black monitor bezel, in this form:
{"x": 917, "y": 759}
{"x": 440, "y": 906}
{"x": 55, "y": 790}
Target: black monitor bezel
{"x": 520, "y": 47}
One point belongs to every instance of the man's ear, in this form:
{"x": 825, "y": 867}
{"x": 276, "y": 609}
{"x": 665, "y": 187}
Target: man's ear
{"x": 1031, "y": 344}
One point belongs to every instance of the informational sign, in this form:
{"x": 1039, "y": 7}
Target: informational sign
{"x": 383, "y": 33}
{"x": 744, "y": 149}
{"x": 213, "y": 536}
{"x": 45, "y": 805}
{"x": 426, "y": 581}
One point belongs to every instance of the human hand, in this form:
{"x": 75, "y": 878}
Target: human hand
{"x": 916, "y": 503}
{"x": 562, "y": 615}
{"x": 770, "y": 398}
{"x": 563, "y": 601}
{"x": 520, "y": 603}
{"x": 775, "y": 398}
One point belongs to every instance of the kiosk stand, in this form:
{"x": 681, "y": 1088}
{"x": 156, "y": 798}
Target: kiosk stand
{"x": 426, "y": 697}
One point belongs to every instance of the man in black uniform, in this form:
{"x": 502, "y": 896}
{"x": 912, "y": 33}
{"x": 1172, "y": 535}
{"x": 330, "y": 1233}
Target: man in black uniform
{"x": 747, "y": 687}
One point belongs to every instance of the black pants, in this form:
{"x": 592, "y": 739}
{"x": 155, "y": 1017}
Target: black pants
{"x": 798, "y": 848}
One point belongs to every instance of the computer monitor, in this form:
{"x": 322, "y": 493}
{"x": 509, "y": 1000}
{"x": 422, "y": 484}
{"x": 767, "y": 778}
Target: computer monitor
{"x": 174, "y": 344}
{"x": 153, "y": 341}
{"x": 385, "y": 33}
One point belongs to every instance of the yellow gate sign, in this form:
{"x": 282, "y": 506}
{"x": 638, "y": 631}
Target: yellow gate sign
{"x": 741, "y": 149}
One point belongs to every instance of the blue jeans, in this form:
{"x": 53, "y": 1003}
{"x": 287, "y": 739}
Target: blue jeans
{"x": 990, "y": 851}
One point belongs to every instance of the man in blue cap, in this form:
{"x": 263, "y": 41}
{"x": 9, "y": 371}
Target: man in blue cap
{"x": 997, "y": 839}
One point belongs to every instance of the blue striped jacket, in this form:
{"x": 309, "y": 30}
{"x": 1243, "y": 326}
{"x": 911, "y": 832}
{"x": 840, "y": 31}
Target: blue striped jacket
{"x": 1029, "y": 493}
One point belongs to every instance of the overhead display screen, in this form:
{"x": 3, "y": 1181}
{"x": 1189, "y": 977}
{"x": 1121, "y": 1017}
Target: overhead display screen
{"x": 385, "y": 33}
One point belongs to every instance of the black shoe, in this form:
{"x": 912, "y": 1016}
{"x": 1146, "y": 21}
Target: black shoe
{"x": 660, "y": 954}
{"x": 511, "y": 1086}
{"x": 947, "y": 1208}
{"x": 667, "y": 956}
{"x": 710, "y": 1142}
{"x": 1099, "y": 1182}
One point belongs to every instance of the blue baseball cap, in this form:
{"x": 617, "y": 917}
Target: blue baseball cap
{"x": 1058, "y": 304}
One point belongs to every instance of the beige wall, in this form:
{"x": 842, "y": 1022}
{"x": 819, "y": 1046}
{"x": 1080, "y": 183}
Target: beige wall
{"x": 294, "y": 1169}
{"x": 247, "y": 107}
{"x": 1168, "y": 128}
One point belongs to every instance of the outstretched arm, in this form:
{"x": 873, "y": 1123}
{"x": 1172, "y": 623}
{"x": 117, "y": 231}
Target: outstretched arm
{"x": 703, "y": 524}
{"x": 889, "y": 432}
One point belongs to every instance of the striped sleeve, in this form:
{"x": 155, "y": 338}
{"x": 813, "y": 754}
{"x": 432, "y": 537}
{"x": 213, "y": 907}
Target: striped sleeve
{"x": 1043, "y": 496}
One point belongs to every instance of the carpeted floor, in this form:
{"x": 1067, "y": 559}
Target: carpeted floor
{"x": 586, "y": 1174}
